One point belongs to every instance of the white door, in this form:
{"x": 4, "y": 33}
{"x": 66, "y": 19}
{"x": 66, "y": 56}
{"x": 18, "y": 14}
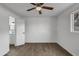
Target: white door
{"x": 20, "y": 32}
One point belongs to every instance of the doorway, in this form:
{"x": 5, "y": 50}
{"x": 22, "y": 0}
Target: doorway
{"x": 12, "y": 30}
{"x": 16, "y": 31}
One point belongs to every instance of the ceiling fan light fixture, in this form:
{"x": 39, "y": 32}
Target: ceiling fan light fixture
{"x": 38, "y": 8}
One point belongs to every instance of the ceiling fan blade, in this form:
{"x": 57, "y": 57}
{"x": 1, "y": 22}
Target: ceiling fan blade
{"x": 31, "y": 9}
{"x": 40, "y": 12}
{"x": 46, "y": 7}
{"x": 33, "y": 3}
{"x": 41, "y": 3}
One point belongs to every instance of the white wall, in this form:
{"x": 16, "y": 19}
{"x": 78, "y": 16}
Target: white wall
{"x": 4, "y": 37}
{"x": 67, "y": 39}
{"x": 40, "y": 29}
{"x": 4, "y": 29}
{"x": 8, "y": 13}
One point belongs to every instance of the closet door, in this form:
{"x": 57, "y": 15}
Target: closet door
{"x": 20, "y": 32}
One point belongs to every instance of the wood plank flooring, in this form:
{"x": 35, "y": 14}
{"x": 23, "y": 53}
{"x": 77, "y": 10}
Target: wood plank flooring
{"x": 38, "y": 49}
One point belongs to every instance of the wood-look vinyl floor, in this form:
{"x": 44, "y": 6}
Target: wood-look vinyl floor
{"x": 38, "y": 49}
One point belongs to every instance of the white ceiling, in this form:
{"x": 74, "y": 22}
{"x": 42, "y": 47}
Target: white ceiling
{"x": 20, "y": 9}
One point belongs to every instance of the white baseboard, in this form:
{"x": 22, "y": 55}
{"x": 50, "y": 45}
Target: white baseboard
{"x": 66, "y": 49}
{"x": 5, "y": 53}
{"x": 41, "y": 42}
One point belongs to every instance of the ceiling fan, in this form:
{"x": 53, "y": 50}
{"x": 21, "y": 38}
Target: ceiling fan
{"x": 39, "y": 7}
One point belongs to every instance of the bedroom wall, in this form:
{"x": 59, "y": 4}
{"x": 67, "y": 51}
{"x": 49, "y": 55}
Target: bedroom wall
{"x": 9, "y": 12}
{"x": 4, "y": 29}
{"x": 41, "y": 29}
{"x": 67, "y": 39}
{"x": 4, "y": 35}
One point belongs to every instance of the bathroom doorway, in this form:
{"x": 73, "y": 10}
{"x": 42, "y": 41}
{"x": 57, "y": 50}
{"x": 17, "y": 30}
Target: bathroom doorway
{"x": 12, "y": 30}
{"x": 16, "y": 31}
